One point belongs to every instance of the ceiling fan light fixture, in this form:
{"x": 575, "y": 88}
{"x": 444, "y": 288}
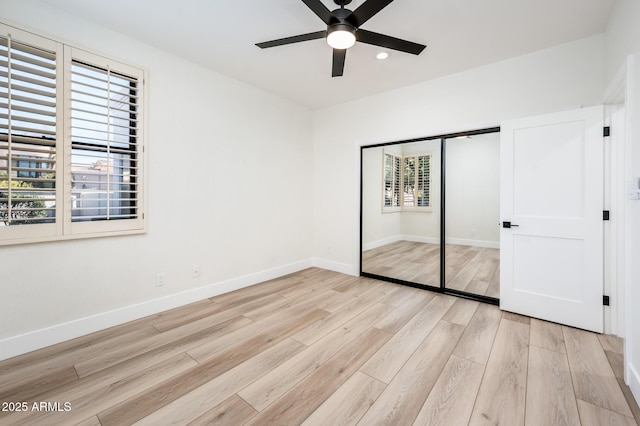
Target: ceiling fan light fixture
{"x": 341, "y": 36}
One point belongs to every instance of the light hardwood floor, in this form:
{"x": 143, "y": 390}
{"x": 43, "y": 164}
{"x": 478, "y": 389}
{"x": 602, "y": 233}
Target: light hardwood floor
{"x": 472, "y": 269}
{"x": 322, "y": 348}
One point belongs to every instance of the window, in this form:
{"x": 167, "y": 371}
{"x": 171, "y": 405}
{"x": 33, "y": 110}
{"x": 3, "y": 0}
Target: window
{"x": 407, "y": 182}
{"x": 104, "y": 130}
{"x": 416, "y": 181}
{"x": 392, "y": 180}
{"x": 29, "y": 168}
{"x": 71, "y": 148}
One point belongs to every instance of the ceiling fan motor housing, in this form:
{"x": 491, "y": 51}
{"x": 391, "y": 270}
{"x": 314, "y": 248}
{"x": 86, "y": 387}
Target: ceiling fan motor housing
{"x": 340, "y": 16}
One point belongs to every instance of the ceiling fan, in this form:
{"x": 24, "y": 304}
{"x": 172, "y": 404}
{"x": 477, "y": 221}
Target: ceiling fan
{"x": 343, "y": 30}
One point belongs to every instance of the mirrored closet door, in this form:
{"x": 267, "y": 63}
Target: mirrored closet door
{"x": 430, "y": 213}
{"x": 401, "y": 212}
{"x": 472, "y": 214}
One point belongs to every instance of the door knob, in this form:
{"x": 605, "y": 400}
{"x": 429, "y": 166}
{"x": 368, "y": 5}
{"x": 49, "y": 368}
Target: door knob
{"x": 507, "y": 224}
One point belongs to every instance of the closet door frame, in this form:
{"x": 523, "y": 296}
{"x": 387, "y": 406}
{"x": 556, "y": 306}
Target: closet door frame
{"x": 442, "y": 287}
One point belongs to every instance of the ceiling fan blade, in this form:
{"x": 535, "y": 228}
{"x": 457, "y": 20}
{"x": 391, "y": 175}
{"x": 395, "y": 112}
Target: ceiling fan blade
{"x": 366, "y": 11}
{"x": 339, "y": 56}
{"x": 389, "y": 42}
{"x": 319, "y": 9}
{"x": 292, "y": 39}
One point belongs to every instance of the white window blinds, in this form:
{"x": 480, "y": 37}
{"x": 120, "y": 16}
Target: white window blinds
{"x": 71, "y": 142}
{"x": 104, "y": 143}
{"x": 28, "y": 136}
{"x": 392, "y": 173}
{"x": 423, "y": 181}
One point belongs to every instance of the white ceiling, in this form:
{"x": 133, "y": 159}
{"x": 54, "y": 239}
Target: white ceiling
{"x": 459, "y": 34}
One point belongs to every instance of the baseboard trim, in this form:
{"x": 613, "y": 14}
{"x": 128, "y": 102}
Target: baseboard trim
{"x": 633, "y": 378}
{"x": 38, "y": 339}
{"x": 474, "y": 243}
{"x": 431, "y": 240}
{"x": 379, "y": 243}
{"x": 342, "y": 268}
{"x": 420, "y": 239}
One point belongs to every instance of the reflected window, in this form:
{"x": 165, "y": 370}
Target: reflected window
{"x": 392, "y": 173}
{"x": 416, "y": 182}
{"x": 407, "y": 182}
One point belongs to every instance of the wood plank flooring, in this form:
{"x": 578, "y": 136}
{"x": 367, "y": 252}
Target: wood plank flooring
{"x": 472, "y": 269}
{"x": 322, "y": 348}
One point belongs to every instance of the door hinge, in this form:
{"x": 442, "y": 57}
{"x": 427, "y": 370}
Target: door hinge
{"x": 605, "y": 300}
{"x": 605, "y": 215}
{"x": 606, "y": 131}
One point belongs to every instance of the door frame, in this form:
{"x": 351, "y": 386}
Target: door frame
{"x": 617, "y": 145}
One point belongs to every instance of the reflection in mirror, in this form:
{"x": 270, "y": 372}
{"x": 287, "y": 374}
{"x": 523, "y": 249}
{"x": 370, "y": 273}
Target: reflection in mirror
{"x": 401, "y": 211}
{"x": 472, "y": 188}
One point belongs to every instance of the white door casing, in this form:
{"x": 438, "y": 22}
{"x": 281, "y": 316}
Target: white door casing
{"x": 551, "y": 190}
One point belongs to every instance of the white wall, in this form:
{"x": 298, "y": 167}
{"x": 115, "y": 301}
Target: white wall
{"x": 554, "y": 79}
{"x": 622, "y": 39}
{"x": 622, "y": 36}
{"x": 229, "y": 186}
{"x": 378, "y": 228}
{"x": 473, "y": 190}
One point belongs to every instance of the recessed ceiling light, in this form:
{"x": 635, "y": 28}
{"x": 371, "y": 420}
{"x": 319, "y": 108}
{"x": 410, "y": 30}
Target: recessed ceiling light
{"x": 382, "y": 55}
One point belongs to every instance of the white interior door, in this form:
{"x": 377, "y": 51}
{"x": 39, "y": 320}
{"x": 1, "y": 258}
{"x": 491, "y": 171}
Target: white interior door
{"x": 551, "y": 191}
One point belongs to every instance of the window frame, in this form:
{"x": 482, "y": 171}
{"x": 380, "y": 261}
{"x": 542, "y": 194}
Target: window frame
{"x": 64, "y": 228}
{"x": 396, "y": 161}
{"x": 121, "y": 226}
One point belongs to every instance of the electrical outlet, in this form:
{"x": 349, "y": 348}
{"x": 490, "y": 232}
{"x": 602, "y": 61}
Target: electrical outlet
{"x": 160, "y": 279}
{"x": 195, "y": 273}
